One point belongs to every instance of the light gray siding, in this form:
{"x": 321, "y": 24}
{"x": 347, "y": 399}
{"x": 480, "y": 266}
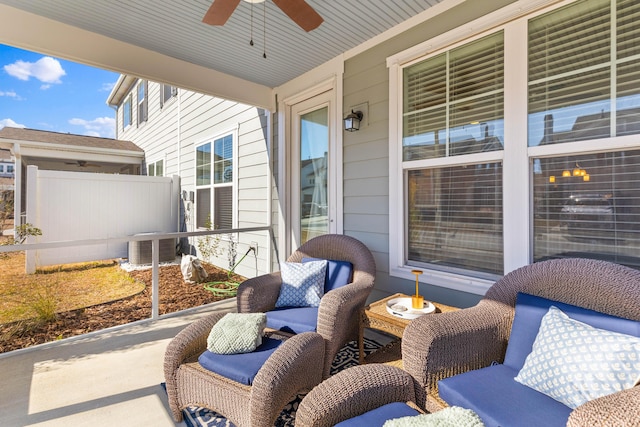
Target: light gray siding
{"x": 189, "y": 119}
{"x": 366, "y": 153}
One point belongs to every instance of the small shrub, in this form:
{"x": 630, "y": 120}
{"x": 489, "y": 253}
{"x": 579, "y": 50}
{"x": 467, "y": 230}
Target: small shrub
{"x": 209, "y": 246}
{"x": 44, "y": 304}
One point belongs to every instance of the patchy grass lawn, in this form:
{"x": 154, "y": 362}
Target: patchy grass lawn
{"x": 61, "y": 288}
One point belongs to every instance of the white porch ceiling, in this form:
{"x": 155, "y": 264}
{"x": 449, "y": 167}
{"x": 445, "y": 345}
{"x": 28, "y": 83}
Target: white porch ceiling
{"x": 174, "y": 28}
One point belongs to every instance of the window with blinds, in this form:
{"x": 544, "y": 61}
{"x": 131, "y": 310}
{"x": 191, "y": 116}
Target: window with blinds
{"x": 166, "y": 93}
{"x": 223, "y": 159}
{"x": 126, "y": 113}
{"x": 453, "y": 103}
{"x": 214, "y": 183}
{"x": 588, "y": 206}
{"x": 455, "y": 217}
{"x": 143, "y": 110}
{"x": 583, "y": 72}
{"x": 156, "y": 168}
{"x": 223, "y": 207}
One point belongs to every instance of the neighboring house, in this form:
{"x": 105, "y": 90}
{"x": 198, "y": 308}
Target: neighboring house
{"x": 66, "y": 152}
{"x": 218, "y": 148}
{"x": 481, "y": 120}
{"x": 7, "y": 164}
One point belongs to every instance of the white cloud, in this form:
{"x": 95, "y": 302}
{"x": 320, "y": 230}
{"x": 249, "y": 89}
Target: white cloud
{"x": 107, "y": 87}
{"x": 101, "y": 126}
{"x": 11, "y": 94}
{"x": 45, "y": 69}
{"x": 10, "y": 123}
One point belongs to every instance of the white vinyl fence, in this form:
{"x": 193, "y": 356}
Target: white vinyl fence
{"x": 78, "y": 206}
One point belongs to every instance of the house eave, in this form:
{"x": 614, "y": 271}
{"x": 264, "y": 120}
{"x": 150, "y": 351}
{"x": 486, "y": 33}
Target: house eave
{"x": 120, "y": 90}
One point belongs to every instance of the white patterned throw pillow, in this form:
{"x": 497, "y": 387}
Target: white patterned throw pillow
{"x": 302, "y": 284}
{"x": 574, "y": 363}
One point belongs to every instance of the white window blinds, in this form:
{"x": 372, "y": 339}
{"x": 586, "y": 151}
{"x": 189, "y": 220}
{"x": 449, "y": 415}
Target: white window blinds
{"x": 453, "y": 103}
{"x": 583, "y": 72}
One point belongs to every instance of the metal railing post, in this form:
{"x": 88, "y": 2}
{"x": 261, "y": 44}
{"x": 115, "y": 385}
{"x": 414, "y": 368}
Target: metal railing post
{"x": 155, "y": 278}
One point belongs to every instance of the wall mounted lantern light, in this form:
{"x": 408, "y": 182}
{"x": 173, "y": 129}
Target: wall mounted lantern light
{"x": 352, "y": 121}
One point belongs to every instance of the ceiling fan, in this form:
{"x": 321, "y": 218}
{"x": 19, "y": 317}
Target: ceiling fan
{"x": 298, "y": 10}
{"x": 82, "y": 164}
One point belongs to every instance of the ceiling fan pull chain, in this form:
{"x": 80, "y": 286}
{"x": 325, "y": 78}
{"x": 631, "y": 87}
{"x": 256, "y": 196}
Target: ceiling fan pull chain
{"x": 251, "y": 41}
{"x": 264, "y": 27}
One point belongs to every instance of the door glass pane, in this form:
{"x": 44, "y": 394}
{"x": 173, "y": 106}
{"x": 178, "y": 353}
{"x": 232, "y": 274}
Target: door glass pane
{"x": 588, "y": 206}
{"x": 314, "y": 147}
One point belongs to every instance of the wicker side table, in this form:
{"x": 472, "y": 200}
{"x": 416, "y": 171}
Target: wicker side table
{"x": 376, "y": 316}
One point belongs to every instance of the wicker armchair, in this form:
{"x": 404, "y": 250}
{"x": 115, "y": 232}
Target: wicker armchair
{"x": 339, "y": 309}
{"x": 294, "y": 368}
{"x": 437, "y": 347}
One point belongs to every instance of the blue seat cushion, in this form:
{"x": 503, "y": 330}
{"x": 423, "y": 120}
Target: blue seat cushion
{"x": 528, "y": 315}
{"x": 294, "y": 320}
{"x": 339, "y": 273}
{"x": 241, "y": 367}
{"x": 500, "y": 401}
{"x": 377, "y": 417}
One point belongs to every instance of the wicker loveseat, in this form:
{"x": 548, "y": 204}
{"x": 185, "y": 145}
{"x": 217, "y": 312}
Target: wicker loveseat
{"x": 436, "y": 349}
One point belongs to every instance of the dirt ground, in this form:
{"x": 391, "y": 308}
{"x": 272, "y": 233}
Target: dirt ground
{"x": 175, "y": 295}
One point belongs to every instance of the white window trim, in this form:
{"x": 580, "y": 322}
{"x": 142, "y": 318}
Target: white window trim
{"x": 234, "y": 132}
{"x": 516, "y": 202}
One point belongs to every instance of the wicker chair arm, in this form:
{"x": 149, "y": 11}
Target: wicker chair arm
{"x": 295, "y": 367}
{"x": 339, "y": 305}
{"x": 617, "y": 409}
{"x": 259, "y": 294}
{"x": 186, "y": 346}
{"x": 353, "y": 392}
{"x": 439, "y": 346}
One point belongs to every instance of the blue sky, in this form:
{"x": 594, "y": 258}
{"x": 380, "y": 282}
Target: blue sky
{"x": 41, "y": 92}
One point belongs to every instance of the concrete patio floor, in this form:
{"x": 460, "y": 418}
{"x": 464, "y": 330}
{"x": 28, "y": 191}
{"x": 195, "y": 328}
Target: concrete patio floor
{"x": 107, "y": 378}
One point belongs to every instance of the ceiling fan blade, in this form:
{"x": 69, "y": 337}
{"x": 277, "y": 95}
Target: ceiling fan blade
{"x": 301, "y": 13}
{"x": 220, "y": 11}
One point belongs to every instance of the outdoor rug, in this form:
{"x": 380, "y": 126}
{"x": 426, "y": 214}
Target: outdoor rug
{"x": 347, "y": 357}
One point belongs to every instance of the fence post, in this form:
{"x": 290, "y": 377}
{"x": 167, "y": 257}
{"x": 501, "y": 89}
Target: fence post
{"x": 31, "y": 215}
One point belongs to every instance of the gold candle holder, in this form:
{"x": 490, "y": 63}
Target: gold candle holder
{"x": 417, "y": 301}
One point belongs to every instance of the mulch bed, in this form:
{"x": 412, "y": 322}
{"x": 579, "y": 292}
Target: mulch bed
{"x": 175, "y": 295}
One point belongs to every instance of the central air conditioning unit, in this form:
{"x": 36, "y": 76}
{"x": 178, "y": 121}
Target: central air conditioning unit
{"x": 140, "y": 251}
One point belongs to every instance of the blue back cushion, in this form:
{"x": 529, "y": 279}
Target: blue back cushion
{"x": 339, "y": 273}
{"x": 500, "y": 401}
{"x": 377, "y": 417}
{"x": 241, "y": 367}
{"x": 528, "y": 316}
{"x": 294, "y": 320}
